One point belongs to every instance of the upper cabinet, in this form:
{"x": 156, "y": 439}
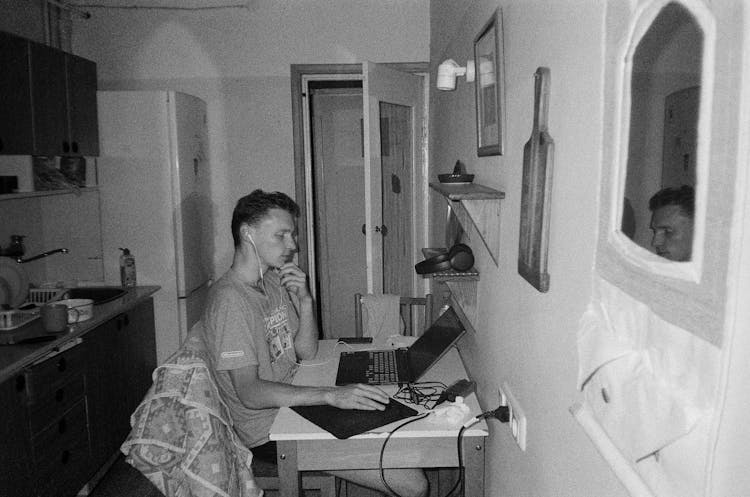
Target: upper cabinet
{"x": 50, "y": 98}
{"x": 16, "y": 135}
{"x": 83, "y": 124}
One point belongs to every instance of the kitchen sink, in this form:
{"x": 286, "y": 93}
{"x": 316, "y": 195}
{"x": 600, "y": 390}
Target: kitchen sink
{"x": 100, "y": 295}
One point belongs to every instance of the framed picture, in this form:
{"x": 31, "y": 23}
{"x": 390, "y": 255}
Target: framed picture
{"x": 489, "y": 85}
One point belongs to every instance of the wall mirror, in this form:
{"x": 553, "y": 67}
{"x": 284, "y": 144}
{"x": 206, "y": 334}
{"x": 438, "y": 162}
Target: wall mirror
{"x": 667, "y": 125}
{"x": 665, "y": 84}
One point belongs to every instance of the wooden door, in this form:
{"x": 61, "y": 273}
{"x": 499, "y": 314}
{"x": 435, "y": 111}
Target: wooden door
{"x": 392, "y": 117}
{"x": 336, "y": 115}
{"x": 680, "y": 137}
{"x": 396, "y": 154}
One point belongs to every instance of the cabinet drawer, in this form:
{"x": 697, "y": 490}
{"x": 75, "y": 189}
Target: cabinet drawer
{"x": 46, "y": 376}
{"x": 61, "y": 453}
{"x": 54, "y": 402}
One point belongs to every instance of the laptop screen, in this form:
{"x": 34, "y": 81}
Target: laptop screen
{"x": 434, "y": 342}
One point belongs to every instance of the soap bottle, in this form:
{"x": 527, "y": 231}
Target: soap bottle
{"x": 127, "y": 268}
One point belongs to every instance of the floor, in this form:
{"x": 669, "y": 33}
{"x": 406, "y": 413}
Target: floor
{"x": 123, "y": 480}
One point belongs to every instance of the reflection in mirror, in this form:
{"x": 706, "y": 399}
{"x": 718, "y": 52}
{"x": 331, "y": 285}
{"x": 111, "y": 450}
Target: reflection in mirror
{"x": 665, "y": 97}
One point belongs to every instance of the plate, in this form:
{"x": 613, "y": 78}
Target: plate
{"x": 17, "y": 279}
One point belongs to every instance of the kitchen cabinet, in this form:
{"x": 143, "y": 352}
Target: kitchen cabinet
{"x": 15, "y": 454}
{"x": 56, "y": 413}
{"x": 122, "y": 356}
{"x": 48, "y": 95}
{"x": 47, "y": 100}
{"x": 16, "y": 135}
{"x": 63, "y": 88}
{"x": 83, "y": 121}
{"x": 66, "y": 415}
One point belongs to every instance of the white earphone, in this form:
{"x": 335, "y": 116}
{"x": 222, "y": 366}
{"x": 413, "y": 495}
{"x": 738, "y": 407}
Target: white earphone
{"x": 257, "y": 257}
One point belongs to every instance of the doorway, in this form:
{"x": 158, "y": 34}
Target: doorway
{"x": 360, "y": 169}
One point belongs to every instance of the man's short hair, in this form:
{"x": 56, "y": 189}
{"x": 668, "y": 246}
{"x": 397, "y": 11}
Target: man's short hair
{"x": 250, "y": 209}
{"x": 683, "y": 197}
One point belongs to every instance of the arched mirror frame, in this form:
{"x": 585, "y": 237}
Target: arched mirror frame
{"x": 687, "y": 294}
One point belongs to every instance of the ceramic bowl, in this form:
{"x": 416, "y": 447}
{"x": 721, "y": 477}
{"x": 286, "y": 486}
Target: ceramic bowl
{"x": 78, "y": 309}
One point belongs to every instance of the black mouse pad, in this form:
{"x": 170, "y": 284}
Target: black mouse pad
{"x": 345, "y": 423}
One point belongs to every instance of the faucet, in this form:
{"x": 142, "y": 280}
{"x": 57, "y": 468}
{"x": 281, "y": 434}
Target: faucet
{"x": 21, "y": 260}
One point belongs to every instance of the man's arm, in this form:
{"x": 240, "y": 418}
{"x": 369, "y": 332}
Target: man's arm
{"x": 295, "y": 281}
{"x": 256, "y": 393}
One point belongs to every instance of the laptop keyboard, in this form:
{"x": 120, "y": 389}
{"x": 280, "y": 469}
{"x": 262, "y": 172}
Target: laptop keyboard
{"x": 382, "y": 367}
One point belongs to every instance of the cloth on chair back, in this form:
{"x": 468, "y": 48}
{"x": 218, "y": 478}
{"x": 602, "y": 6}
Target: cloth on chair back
{"x": 381, "y": 317}
{"x": 182, "y": 437}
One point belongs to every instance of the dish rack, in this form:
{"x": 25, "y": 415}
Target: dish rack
{"x": 10, "y": 320}
{"x": 40, "y": 296}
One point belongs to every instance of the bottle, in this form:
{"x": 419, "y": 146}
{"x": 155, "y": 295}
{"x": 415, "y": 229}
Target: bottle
{"x": 127, "y": 268}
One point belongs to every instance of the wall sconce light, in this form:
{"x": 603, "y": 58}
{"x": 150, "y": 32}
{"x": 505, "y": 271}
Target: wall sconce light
{"x": 448, "y": 70}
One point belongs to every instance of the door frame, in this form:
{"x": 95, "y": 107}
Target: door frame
{"x": 300, "y": 74}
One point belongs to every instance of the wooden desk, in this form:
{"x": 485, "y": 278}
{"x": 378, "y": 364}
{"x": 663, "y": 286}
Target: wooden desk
{"x": 303, "y": 446}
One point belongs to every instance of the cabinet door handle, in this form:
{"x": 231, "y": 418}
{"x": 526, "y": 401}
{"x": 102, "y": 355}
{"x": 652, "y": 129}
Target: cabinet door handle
{"x": 75, "y": 147}
{"x": 66, "y": 147}
{"x": 62, "y": 364}
{"x": 60, "y": 394}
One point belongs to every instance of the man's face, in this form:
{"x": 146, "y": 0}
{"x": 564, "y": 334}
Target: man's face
{"x": 275, "y": 238}
{"x": 673, "y": 233}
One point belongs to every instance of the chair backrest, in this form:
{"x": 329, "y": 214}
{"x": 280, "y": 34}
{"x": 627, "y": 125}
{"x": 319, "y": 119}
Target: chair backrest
{"x": 416, "y": 313}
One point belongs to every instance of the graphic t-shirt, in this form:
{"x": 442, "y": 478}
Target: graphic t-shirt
{"x": 245, "y": 327}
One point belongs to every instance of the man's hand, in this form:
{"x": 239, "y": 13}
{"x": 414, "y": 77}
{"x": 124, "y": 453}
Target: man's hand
{"x": 358, "y": 396}
{"x": 294, "y": 280}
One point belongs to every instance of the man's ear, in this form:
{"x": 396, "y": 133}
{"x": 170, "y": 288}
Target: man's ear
{"x": 247, "y": 233}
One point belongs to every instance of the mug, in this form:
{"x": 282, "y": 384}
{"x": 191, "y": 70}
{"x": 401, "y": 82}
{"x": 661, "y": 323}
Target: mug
{"x": 54, "y": 317}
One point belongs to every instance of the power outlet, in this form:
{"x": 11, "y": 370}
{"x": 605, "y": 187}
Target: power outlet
{"x": 517, "y": 417}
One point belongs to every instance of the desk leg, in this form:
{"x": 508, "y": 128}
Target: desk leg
{"x": 290, "y": 480}
{"x": 473, "y": 455}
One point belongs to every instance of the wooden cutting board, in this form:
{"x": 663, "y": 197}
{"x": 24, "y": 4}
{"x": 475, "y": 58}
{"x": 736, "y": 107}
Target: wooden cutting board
{"x": 538, "y": 154}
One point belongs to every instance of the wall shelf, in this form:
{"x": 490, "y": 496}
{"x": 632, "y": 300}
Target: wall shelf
{"x": 479, "y": 206}
{"x": 47, "y": 193}
{"x": 476, "y": 205}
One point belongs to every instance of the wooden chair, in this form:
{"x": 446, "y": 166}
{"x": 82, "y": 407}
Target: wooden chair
{"x": 267, "y": 477}
{"x": 407, "y": 307}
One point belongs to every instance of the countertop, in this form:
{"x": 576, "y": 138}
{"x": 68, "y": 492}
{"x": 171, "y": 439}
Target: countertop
{"x": 13, "y": 358}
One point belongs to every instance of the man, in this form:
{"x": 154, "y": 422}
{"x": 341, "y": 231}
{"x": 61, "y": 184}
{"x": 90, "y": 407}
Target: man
{"x": 673, "y": 210}
{"x": 259, "y": 320}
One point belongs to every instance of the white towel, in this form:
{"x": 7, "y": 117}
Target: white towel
{"x": 641, "y": 377}
{"x": 381, "y": 317}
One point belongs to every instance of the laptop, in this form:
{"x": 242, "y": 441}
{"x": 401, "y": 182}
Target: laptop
{"x": 404, "y": 365}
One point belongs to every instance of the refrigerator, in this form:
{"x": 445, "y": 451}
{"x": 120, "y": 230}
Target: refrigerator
{"x": 154, "y": 189}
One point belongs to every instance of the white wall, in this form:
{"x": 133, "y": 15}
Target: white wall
{"x": 23, "y": 18}
{"x": 526, "y": 338}
{"x": 238, "y": 61}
